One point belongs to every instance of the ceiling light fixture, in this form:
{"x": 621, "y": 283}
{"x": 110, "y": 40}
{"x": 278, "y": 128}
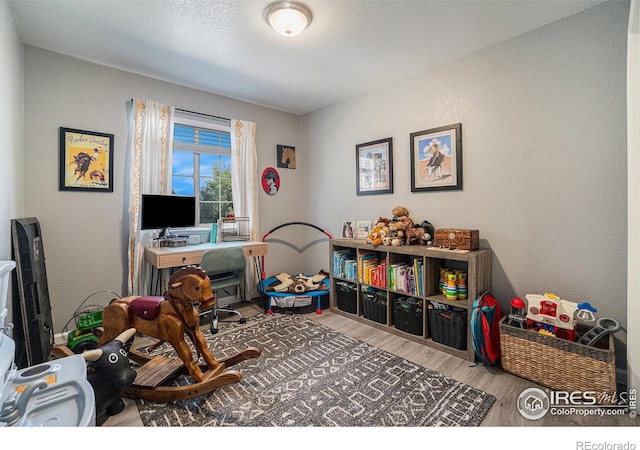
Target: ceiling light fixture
{"x": 288, "y": 18}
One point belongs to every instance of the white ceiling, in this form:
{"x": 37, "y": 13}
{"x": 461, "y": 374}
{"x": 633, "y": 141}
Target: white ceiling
{"x": 226, "y": 47}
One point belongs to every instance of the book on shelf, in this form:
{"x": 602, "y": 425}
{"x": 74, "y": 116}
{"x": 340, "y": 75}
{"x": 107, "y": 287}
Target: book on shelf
{"x": 365, "y": 259}
{"x": 417, "y": 273}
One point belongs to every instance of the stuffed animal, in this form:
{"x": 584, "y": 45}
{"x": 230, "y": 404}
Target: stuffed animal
{"x": 399, "y": 211}
{"x": 381, "y": 221}
{"x": 429, "y": 232}
{"x": 421, "y": 234}
{"x": 415, "y": 235}
{"x": 377, "y": 234}
{"x": 397, "y": 232}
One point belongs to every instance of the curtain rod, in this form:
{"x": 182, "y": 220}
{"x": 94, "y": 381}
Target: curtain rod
{"x": 201, "y": 114}
{"x": 197, "y": 113}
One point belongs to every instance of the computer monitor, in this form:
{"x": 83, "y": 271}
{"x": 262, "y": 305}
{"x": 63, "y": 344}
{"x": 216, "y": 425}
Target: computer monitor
{"x": 160, "y": 212}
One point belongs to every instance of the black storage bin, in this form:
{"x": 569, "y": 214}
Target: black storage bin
{"x": 347, "y": 297}
{"x": 374, "y": 305}
{"x": 448, "y": 327}
{"x": 407, "y": 313}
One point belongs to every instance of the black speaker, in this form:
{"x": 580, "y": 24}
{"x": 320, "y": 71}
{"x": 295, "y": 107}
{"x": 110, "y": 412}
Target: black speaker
{"x": 33, "y": 325}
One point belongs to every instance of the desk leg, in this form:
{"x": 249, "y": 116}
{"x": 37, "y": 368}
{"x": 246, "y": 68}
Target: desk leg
{"x": 154, "y": 284}
{"x": 265, "y": 298}
{"x": 158, "y": 281}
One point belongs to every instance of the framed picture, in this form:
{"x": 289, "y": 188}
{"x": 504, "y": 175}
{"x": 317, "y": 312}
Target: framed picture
{"x": 363, "y": 227}
{"x": 286, "y": 156}
{"x": 347, "y": 229}
{"x": 86, "y": 161}
{"x": 436, "y": 159}
{"x": 374, "y": 167}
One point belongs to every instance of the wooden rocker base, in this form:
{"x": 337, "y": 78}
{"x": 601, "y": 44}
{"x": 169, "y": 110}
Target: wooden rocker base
{"x": 156, "y": 370}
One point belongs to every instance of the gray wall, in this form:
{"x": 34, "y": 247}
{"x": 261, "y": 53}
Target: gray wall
{"x": 11, "y": 127}
{"x": 85, "y": 233}
{"x": 544, "y": 157}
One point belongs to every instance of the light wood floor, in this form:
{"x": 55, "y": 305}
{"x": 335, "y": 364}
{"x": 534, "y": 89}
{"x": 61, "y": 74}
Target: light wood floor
{"x": 504, "y": 386}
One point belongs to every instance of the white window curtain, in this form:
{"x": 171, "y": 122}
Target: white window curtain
{"x": 244, "y": 176}
{"x": 149, "y": 148}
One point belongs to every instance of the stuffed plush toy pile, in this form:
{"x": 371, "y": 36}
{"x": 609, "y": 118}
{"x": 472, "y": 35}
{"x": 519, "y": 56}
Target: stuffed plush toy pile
{"x": 299, "y": 284}
{"x": 402, "y": 224}
{"x": 400, "y": 230}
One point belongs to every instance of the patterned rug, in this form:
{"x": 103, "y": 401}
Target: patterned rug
{"x": 312, "y": 376}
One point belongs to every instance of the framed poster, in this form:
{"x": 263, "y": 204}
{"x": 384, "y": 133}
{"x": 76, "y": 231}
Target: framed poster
{"x": 374, "y": 167}
{"x": 436, "y": 159}
{"x": 86, "y": 161}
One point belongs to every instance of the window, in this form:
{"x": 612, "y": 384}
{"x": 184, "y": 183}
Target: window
{"x": 201, "y": 166}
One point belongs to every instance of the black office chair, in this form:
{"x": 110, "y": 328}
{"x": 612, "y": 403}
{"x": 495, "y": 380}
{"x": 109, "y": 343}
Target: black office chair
{"x": 225, "y": 267}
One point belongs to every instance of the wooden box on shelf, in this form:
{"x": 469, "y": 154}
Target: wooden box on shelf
{"x": 457, "y": 239}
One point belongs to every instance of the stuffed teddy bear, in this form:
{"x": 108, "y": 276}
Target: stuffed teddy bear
{"x": 399, "y": 211}
{"x": 397, "y": 232}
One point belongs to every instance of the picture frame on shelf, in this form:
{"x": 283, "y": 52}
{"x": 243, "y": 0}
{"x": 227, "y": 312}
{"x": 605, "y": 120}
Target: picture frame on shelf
{"x": 436, "y": 159}
{"x": 86, "y": 160}
{"x": 347, "y": 229}
{"x": 363, "y": 227}
{"x": 374, "y": 167}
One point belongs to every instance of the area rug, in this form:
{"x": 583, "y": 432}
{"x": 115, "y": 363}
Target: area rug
{"x": 309, "y": 375}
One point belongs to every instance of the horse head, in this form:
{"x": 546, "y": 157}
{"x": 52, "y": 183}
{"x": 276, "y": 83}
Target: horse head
{"x": 192, "y": 285}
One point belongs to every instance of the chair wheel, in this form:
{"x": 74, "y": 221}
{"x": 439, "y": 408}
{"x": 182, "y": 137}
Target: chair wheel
{"x": 242, "y": 320}
{"x": 214, "y": 330}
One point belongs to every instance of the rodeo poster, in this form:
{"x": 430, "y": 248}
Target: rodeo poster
{"x": 86, "y": 160}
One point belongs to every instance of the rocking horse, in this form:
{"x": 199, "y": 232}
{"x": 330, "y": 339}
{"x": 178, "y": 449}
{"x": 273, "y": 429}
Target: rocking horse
{"x": 168, "y": 319}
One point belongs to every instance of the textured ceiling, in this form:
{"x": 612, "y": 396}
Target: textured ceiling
{"x": 226, "y": 47}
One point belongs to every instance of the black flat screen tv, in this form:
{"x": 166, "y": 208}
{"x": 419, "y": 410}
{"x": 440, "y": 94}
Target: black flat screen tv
{"x": 160, "y": 212}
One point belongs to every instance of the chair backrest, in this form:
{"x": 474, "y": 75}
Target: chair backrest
{"x": 224, "y": 260}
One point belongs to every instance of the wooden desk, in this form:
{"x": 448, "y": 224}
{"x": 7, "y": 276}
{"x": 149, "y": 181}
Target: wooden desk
{"x": 176, "y": 257}
{"x": 170, "y": 257}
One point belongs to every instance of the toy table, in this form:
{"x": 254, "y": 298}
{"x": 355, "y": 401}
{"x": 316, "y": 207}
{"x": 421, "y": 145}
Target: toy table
{"x": 317, "y": 295}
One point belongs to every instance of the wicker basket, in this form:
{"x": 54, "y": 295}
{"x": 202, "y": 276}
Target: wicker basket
{"x": 557, "y": 363}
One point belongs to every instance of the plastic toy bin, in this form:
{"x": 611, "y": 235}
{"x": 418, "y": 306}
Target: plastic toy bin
{"x": 448, "y": 327}
{"x": 347, "y": 296}
{"x": 407, "y": 313}
{"x": 374, "y": 304}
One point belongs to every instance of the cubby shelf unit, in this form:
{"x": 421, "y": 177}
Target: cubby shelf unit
{"x": 477, "y": 265}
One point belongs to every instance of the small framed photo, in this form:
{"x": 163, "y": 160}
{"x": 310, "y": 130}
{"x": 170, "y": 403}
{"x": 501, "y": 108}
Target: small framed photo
{"x": 363, "y": 227}
{"x": 436, "y": 159}
{"x": 374, "y": 167}
{"x": 86, "y": 161}
{"x": 347, "y": 229}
